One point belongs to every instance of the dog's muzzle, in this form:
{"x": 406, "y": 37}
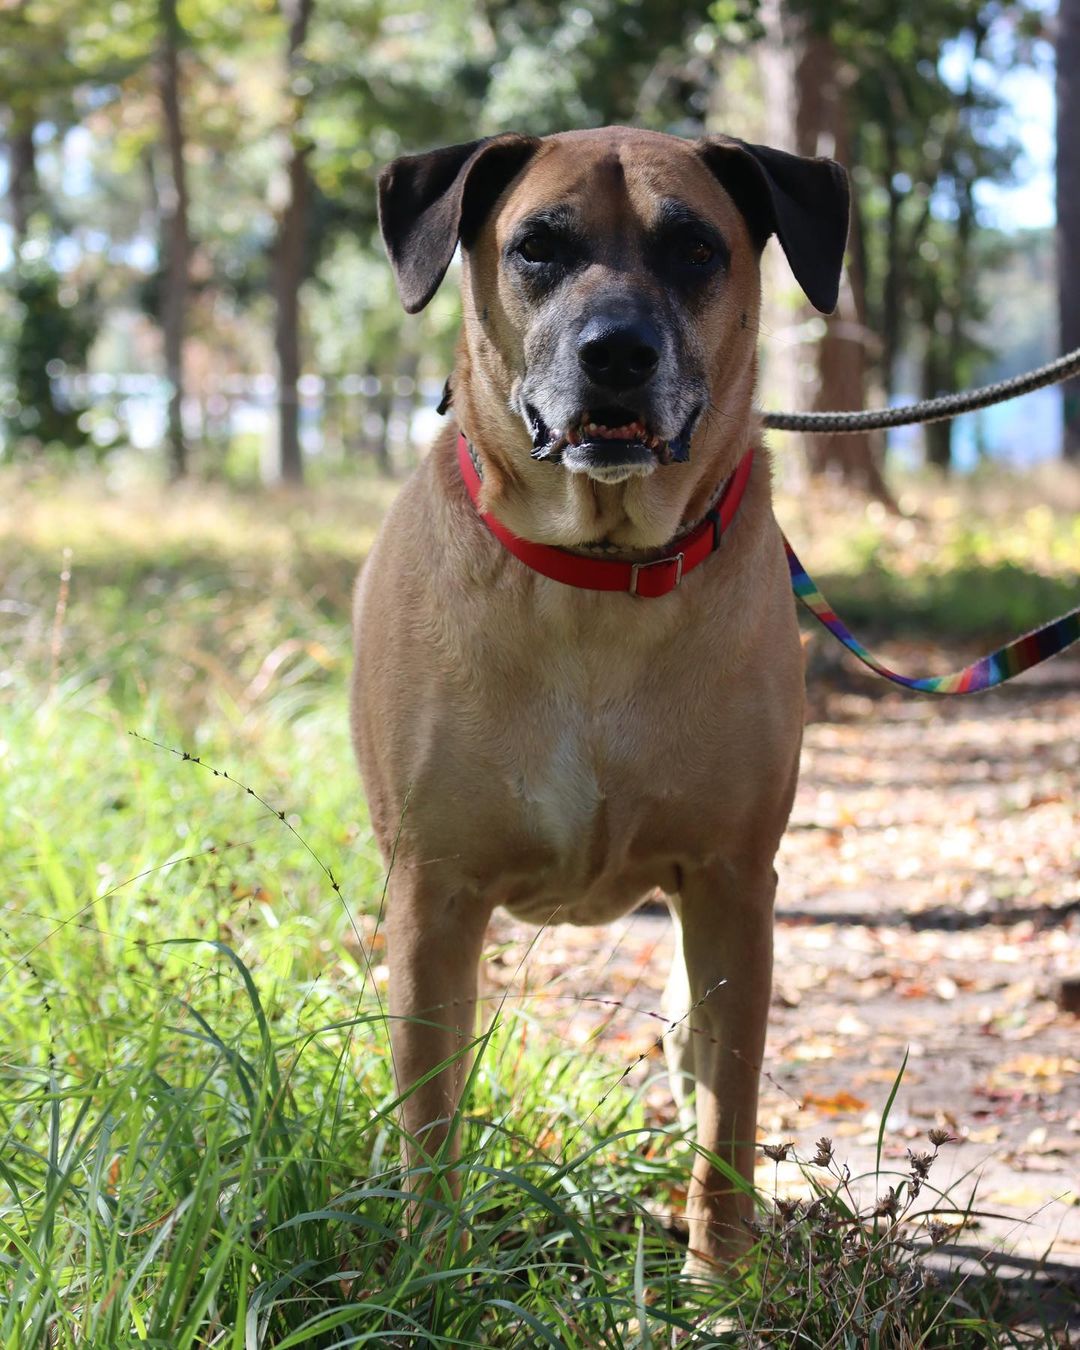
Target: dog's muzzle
{"x": 610, "y": 443}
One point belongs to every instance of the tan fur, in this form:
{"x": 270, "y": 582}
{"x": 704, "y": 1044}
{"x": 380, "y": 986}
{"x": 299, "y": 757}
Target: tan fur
{"x": 562, "y": 752}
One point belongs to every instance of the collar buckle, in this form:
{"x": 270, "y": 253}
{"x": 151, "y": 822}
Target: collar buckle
{"x": 637, "y": 568}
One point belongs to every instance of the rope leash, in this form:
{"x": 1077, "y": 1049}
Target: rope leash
{"x": 1015, "y": 657}
{"x": 930, "y": 409}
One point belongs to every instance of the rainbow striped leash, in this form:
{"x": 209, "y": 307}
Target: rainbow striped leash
{"x": 985, "y": 673}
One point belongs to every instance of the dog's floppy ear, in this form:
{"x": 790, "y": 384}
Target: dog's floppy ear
{"x": 427, "y": 202}
{"x": 803, "y": 201}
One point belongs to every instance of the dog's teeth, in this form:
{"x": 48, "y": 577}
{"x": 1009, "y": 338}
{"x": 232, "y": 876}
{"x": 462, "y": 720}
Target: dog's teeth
{"x": 591, "y": 426}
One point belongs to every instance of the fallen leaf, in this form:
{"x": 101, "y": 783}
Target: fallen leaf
{"x": 837, "y": 1104}
{"x": 816, "y": 1048}
{"x": 1026, "y": 1198}
{"x": 1041, "y": 1066}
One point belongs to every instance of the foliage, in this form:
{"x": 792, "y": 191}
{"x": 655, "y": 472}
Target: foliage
{"x": 929, "y": 125}
{"x": 54, "y": 329}
{"x": 377, "y": 77}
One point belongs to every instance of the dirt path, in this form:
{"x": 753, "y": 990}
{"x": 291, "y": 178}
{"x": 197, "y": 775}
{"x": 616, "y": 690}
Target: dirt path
{"x": 930, "y": 902}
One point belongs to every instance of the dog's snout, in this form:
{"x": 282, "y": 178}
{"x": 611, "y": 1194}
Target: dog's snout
{"x": 619, "y": 353}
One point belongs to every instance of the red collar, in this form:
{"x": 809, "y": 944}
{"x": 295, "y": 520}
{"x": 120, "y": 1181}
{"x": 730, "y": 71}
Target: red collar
{"x": 646, "y": 579}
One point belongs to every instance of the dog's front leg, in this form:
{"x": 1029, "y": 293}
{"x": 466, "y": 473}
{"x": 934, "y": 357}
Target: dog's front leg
{"x": 434, "y": 940}
{"x": 727, "y": 945}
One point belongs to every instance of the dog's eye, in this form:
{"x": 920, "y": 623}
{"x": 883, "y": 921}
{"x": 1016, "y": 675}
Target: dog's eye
{"x": 697, "y": 252}
{"x": 537, "y": 248}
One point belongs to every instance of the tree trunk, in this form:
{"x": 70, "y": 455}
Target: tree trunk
{"x": 822, "y": 128}
{"x": 290, "y": 252}
{"x": 175, "y": 236}
{"x": 937, "y": 436}
{"x": 781, "y": 362}
{"x": 22, "y": 177}
{"x": 1068, "y": 206}
{"x": 892, "y": 289}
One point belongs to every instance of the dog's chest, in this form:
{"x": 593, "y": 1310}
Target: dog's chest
{"x": 579, "y": 764}
{"x": 558, "y": 779}
{"x": 580, "y": 815}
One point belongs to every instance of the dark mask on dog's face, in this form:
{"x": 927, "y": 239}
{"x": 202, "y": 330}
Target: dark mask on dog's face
{"x": 617, "y": 272}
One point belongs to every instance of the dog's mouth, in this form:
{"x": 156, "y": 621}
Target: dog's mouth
{"x": 609, "y": 443}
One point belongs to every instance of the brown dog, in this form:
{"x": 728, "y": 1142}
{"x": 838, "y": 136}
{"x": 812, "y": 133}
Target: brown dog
{"x": 564, "y": 751}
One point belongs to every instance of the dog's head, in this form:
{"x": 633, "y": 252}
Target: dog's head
{"x": 611, "y": 288}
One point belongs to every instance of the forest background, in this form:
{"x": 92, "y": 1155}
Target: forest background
{"x": 190, "y": 252}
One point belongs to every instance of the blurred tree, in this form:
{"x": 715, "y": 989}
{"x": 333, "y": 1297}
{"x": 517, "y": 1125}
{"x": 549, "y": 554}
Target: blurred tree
{"x": 876, "y": 84}
{"x": 53, "y": 336}
{"x": 1068, "y": 205}
{"x": 175, "y": 232}
{"x": 52, "y": 323}
{"x": 823, "y": 114}
{"x": 23, "y": 185}
{"x": 290, "y": 256}
{"x": 290, "y": 107}
{"x": 35, "y": 83}
{"x": 559, "y": 65}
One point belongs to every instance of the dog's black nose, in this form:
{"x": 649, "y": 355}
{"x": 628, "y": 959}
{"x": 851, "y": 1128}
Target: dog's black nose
{"x": 619, "y": 353}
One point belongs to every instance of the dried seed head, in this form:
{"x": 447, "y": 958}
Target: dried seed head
{"x": 939, "y": 1137}
{"x": 921, "y": 1164}
{"x": 889, "y": 1204}
{"x": 790, "y": 1210}
{"x": 824, "y": 1153}
{"x": 777, "y": 1152}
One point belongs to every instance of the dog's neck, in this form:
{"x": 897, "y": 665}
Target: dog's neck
{"x": 631, "y": 520}
{"x": 604, "y": 548}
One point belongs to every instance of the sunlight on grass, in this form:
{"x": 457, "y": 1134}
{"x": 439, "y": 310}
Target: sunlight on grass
{"x": 197, "y": 1136}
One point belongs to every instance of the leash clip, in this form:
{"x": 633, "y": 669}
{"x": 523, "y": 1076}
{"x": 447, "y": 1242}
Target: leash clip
{"x": 637, "y": 568}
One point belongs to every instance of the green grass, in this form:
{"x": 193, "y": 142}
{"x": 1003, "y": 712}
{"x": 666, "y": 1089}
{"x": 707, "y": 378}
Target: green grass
{"x": 198, "y": 1143}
